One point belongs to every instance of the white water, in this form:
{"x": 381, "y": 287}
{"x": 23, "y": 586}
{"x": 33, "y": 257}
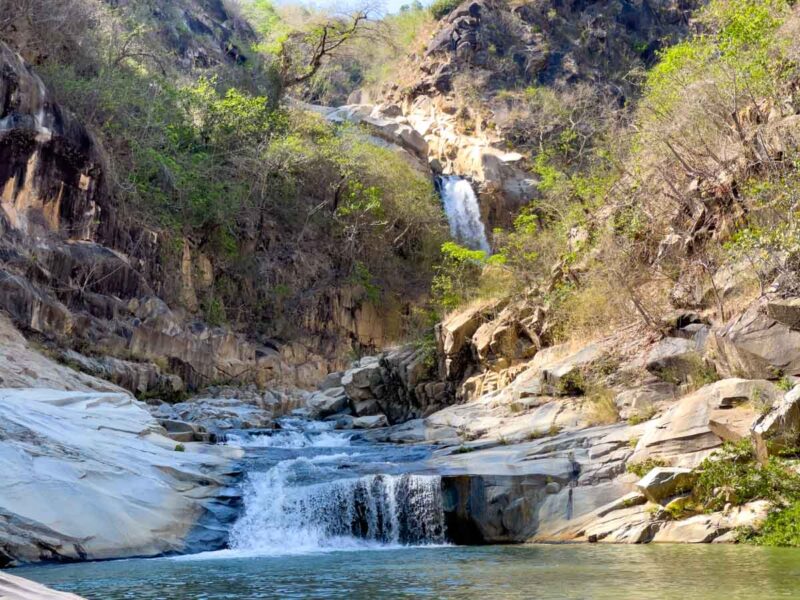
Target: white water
{"x": 463, "y": 213}
{"x": 310, "y": 501}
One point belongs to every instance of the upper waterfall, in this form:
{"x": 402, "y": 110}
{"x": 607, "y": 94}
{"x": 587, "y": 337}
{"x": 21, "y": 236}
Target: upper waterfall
{"x": 463, "y": 213}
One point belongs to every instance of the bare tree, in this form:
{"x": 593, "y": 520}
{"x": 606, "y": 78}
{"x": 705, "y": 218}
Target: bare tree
{"x": 303, "y": 52}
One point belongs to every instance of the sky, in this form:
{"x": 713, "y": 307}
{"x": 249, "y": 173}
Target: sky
{"x": 388, "y": 5}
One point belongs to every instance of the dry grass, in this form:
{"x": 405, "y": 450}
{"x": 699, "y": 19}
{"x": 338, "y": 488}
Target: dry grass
{"x": 602, "y": 409}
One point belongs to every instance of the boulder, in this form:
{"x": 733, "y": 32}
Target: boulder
{"x": 642, "y": 401}
{"x": 371, "y": 422}
{"x": 756, "y": 346}
{"x": 779, "y": 429}
{"x": 675, "y": 360}
{"x": 454, "y": 335}
{"x": 360, "y": 383}
{"x": 120, "y": 487}
{"x": 786, "y": 311}
{"x": 697, "y": 424}
{"x": 328, "y": 402}
{"x": 662, "y": 483}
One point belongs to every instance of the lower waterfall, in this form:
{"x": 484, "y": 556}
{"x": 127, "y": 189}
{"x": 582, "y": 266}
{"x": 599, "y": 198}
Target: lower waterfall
{"x": 306, "y": 504}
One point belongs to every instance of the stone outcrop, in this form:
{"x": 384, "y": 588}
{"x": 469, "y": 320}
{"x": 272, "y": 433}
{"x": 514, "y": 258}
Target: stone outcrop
{"x": 698, "y": 423}
{"x": 756, "y": 345}
{"x": 662, "y": 483}
{"x": 779, "y": 429}
{"x": 120, "y": 486}
{"x": 400, "y": 384}
{"x": 17, "y": 588}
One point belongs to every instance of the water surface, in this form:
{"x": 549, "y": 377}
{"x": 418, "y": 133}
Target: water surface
{"x": 544, "y": 572}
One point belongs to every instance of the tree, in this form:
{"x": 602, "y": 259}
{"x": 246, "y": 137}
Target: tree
{"x": 301, "y": 53}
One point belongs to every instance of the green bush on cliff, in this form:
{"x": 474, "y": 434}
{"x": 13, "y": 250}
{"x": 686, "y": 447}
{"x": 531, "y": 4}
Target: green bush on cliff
{"x": 732, "y": 475}
{"x": 441, "y": 8}
{"x": 781, "y": 528}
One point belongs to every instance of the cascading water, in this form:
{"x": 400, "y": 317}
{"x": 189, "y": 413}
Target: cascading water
{"x": 315, "y": 497}
{"x": 463, "y": 213}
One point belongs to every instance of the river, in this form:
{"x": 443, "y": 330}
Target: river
{"x": 329, "y": 515}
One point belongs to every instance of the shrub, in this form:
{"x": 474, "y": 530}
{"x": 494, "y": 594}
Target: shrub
{"x": 732, "y": 475}
{"x": 441, "y": 8}
{"x": 640, "y": 469}
{"x": 781, "y": 528}
{"x": 180, "y": 448}
{"x": 602, "y": 408}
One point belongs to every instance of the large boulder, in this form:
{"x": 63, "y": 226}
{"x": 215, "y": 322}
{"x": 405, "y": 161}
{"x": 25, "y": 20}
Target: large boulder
{"x": 779, "y": 429}
{"x": 756, "y": 346}
{"x": 675, "y": 360}
{"x": 120, "y": 486}
{"x": 663, "y": 483}
{"x": 327, "y": 402}
{"x": 697, "y": 424}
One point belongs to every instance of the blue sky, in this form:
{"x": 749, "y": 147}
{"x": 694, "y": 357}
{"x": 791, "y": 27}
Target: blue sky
{"x": 389, "y": 5}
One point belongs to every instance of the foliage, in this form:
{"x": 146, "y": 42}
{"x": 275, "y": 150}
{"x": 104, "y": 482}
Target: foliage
{"x": 441, "y": 8}
{"x": 602, "y": 408}
{"x": 640, "y": 469}
{"x": 457, "y": 275}
{"x": 732, "y": 475}
{"x": 781, "y": 528}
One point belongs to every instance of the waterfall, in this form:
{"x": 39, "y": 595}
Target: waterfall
{"x": 307, "y": 503}
{"x": 282, "y": 517}
{"x": 463, "y": 213}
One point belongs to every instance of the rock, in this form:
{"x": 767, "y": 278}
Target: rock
{"x": 329, "y": 402}
{"x": 359, "y": 383}
{"x": 675, "y": 360}
{"x": 642, "y": 401}
{"x": 120, "y": 487}
{"x": 700, "y": 529}
{"x": 22, "y": 367}
{"x": 137, "y": 377}
{"x": 664, "y": 482}
{"x": 371, "y": 422}
{"x": 332, "y": 380}
{"x": 779, "y": 429}
{"x": 786, "y": 311}
{"x": 454, "y": 335}
{"x": 218, "y": 415}
{"x": 17, "y": 588}
{"x": 698, "y": 423}
{"x": 756, "y": 346}
{"x": 506, "y": 337}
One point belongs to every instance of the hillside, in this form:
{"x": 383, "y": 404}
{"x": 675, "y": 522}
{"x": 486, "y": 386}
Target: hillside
{"x": 539, "y": 259}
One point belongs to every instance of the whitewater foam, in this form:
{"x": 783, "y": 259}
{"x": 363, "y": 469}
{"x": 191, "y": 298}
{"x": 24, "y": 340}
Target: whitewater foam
{"x": 463, "y": 212}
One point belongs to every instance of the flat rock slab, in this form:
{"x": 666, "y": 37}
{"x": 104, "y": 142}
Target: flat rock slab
{"x": 17, "y": 588}
{"x": 90, "y": 475}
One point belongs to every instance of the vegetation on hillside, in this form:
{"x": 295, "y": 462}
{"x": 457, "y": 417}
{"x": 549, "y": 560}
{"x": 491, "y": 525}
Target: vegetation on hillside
{"x": 695, "y": 160}
{"x": 286, "y": 205}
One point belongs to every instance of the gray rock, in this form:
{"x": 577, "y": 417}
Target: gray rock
{"x": 675, "y": 360}
{"x": 120, "y": 487}
{"x": 17, "y": 588}
{"x": 664, "y": 482}
{"x": 324, "y": 404}
{"x": 779, "y": 429}
{"x": 756, "y": 346}
{"x": 372, "y": 422}
{"x": 787, "y": 311}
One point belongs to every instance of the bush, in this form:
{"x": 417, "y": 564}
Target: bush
{"x": 732, "y": 475}
{"x": 782, "y": 528}
{"x": 640, "y": 469}
{"x": 441, "y": 8}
